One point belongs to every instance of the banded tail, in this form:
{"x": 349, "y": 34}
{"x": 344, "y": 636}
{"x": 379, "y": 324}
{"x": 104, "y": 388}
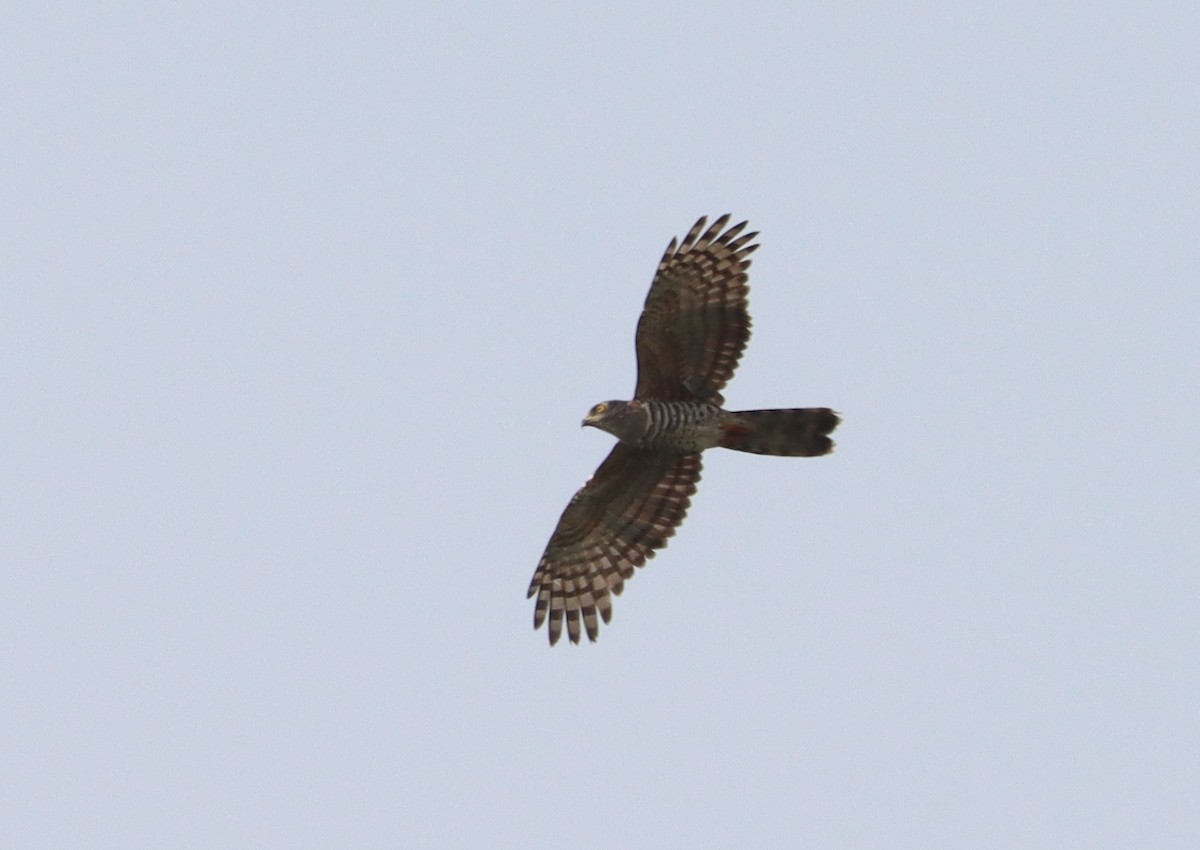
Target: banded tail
{"x": 794, "y": 432}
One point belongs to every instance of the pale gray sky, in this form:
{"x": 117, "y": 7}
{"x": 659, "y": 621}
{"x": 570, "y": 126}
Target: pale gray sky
{"x": 301, "y": 308}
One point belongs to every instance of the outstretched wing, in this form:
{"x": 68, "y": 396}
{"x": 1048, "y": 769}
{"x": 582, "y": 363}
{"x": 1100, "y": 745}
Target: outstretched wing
{"x": 694, "y": 325}
{"x": 627, "y": 509}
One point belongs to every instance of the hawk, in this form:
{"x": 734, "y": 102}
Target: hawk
{"x": 692, "y": 331}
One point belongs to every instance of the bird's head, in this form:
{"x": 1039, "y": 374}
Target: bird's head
{"x": 625, "y": 420}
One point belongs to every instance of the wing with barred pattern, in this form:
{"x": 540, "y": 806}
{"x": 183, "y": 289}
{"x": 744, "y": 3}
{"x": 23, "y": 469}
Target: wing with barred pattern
{"x": 627, "y": 510}
{"x": 695, "y": 325}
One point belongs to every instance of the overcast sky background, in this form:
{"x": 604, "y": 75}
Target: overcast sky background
{"x": 300, "y": 308}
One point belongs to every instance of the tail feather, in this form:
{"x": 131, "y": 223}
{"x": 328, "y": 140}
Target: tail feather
{"x": 795, "y": 432}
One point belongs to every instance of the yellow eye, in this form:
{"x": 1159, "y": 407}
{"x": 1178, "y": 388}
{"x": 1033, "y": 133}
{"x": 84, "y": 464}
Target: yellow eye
{"x": 600, "y": 408}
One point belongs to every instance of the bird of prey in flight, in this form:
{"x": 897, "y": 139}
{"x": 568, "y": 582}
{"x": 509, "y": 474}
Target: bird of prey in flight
{"x": 692, "y": 331}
